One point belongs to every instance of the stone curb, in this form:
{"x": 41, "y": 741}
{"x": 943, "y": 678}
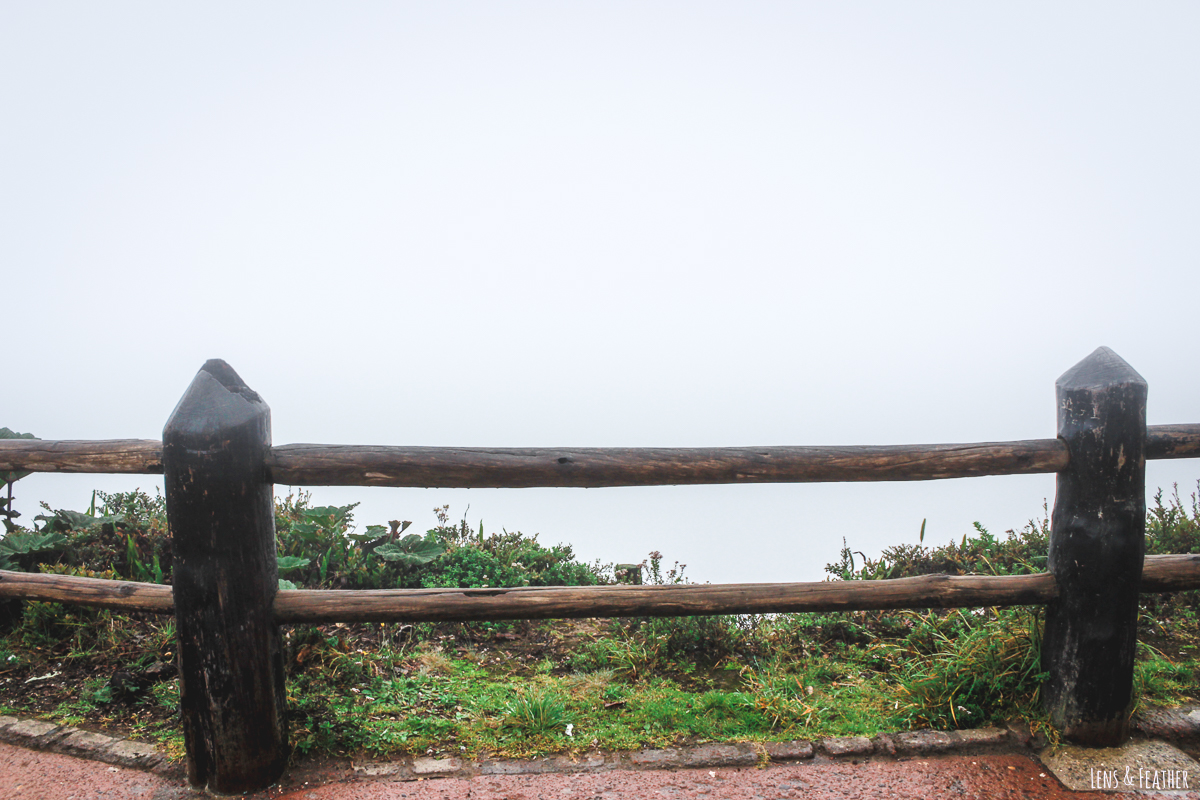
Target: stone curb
{"x": 714, "y": 756}
{"x": 1169, "y": 723}
{"x": 38, "y": 735}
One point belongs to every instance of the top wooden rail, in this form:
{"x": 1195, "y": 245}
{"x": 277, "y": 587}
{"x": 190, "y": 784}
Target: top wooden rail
{"x": 478, "y": 467}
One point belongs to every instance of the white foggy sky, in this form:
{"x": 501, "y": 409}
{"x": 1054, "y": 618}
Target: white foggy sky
{"x": 617, "y": 224}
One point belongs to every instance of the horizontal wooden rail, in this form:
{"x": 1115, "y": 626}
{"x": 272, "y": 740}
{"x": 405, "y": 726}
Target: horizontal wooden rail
{"x": 1172, "y": 441}
{"x": 153, "y": 598}
{"x": 1168, "y": 573}
{"x": 337, "y": 465}
{"x": 461, "y": 605}
{"x": 358, "y": 465}
{"x": 473, "y": 467}
{"x": 1161, "y": 574}
{"x": 112, "y": 456}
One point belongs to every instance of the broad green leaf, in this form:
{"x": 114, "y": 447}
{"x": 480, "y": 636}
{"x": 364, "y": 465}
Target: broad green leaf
{"x": 329, "y": 515}
{"x": 285, "y": 563}
{"x": 373, "y": 532}
{"x": 306, "y": 531}
{"x": 286, "y": 586}
{"x": 19, "y": 544}
{"x": 412, "y": 550}
{"x": 64, "y": 520}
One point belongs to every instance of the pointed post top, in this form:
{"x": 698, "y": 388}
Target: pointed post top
{"x": 216, "y": 398}
{"x": 1102, "y": 368}
{"x": 228, "y": 378}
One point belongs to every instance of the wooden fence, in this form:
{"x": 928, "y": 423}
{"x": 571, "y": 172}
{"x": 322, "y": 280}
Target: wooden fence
{"x": 219, "y": 468}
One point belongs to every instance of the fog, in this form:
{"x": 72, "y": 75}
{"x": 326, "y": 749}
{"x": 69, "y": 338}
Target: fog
{"x": 627, "y": 224}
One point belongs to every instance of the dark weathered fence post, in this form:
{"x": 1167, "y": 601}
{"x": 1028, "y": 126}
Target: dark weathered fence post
{"x": 1097, "y": 543}
{"x": 219, "y": 504}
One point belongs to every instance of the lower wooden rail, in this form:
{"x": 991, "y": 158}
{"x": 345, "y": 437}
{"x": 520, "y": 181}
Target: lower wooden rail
{"x": 1167, "y": 573}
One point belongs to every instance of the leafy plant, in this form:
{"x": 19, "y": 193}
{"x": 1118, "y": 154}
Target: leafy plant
{"x": 318, "y": 545}
{"x": 7, "y": 479}
{"x": 18, "y": 545}
{"x": 1020, "y": 552}
{"x": 411, "y": 551}
{"x": 505, "y": 559}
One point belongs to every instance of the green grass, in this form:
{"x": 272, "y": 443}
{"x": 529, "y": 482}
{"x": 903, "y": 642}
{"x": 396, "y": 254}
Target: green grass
{"x": 476, "y": 701}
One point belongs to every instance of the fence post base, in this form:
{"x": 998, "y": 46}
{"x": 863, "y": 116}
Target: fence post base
{"x": 1097, "y": 543}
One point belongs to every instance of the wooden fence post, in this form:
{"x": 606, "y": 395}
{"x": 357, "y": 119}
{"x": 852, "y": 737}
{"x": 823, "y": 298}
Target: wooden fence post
{"x": 220, "y": 508}
{"x": 1097, "y": 542}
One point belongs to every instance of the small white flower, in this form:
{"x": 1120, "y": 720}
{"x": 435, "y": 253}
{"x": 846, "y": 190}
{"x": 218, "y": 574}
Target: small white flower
{"x": 570, "y": 730}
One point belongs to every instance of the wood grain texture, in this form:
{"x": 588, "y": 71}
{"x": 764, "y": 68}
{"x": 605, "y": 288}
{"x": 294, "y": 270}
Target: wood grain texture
{"x": 447, "y": 605}
{"x": 452, "y": 467}
{"x": 1172, "y": 441}
{"x": 120, "y": 595}
{"x": 1168, "y": 573}
{"x": 113, "y": 456}
{"x": 445, "y": 467}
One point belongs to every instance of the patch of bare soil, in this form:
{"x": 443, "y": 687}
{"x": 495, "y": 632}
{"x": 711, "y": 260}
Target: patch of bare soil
{"x": 110, "y": 690}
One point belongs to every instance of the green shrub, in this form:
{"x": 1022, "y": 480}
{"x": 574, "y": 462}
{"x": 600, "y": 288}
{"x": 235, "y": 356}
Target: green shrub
{"x": 506, "y": 560}
{"x": 1020, "y": 552}
{"x": 325, "y": 553}
{"x": 1171, "y": 528}
{"x": 125, "y": 533}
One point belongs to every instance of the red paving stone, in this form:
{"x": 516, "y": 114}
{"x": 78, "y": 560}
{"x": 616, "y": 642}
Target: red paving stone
{"x": 31, "y": 775}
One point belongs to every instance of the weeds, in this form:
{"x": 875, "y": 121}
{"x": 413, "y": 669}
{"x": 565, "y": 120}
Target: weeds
{"x": 537, "y": 712}
{"x": 965, "y": 669}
